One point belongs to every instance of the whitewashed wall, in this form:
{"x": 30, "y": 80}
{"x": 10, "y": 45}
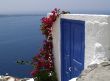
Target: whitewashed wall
{"x": 56, "y": 47}
{"x": 97, "y": 39}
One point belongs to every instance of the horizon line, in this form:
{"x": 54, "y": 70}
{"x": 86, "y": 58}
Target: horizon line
{"x": 46, "y": 12}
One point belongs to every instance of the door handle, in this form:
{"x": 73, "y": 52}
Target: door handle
{"x": 69, "y": 68}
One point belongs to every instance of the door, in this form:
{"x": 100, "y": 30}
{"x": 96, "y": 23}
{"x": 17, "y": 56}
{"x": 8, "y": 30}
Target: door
{"x": 72, "y": 48}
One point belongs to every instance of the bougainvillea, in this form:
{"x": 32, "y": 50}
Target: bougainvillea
{"x": 44, "y": 61}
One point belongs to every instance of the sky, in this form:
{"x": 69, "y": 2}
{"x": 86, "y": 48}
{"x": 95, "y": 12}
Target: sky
{"x": 41, "y": 6}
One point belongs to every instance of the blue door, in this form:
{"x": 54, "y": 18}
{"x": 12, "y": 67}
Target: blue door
{"x": 72, "y": 48}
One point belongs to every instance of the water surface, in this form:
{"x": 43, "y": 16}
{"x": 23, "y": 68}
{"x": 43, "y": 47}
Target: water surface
{"x": 20, "y": 38}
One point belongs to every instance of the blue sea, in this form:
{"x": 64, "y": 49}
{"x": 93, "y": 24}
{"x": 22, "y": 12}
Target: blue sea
{"x": 20, "y": 39}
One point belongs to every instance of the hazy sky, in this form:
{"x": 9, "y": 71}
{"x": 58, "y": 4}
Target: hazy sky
{"x": 34, "y": 6}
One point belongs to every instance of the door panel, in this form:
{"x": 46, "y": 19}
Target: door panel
{"x": 72, "y": 48}
{"x": 77, "y": 48}
{"x": 65, "y": 52}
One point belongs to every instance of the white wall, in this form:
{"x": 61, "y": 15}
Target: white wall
{"x": 56, "y": 47}
{"x": 97, "y": 38}
{"x": 96, "y": 42}
{"x": 108, "y": 48}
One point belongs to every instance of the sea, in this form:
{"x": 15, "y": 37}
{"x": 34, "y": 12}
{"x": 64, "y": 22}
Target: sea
{"x": 20, "y": 39}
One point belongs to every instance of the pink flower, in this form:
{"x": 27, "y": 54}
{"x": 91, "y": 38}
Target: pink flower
{"x": 56, "y": 9}
{"x": 34, "y": 72}
{"x": 45, "y": 58}
{"x": 38, "y": 56}
{"x": 41, "y": 63}
{"x": 53, "y": 12}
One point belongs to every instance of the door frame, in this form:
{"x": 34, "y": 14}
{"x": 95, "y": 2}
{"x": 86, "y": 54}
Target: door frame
{"x": 75, "y": 21}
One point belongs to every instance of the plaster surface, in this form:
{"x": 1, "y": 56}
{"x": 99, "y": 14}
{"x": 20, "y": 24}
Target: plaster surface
{"x": 97, "y": 39}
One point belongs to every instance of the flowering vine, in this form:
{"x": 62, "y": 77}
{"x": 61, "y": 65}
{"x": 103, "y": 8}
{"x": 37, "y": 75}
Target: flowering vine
{"x": 44, "y": 62}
